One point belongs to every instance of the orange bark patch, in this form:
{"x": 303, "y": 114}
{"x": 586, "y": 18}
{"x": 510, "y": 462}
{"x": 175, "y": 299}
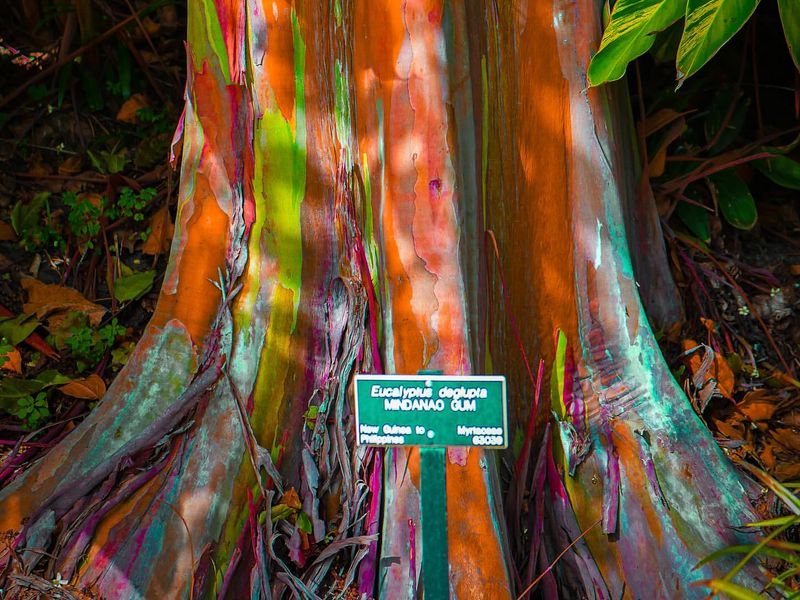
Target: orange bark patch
{"x": 476, "y": 558}
{"x": 196, "y": 301}
{"x": 280, "y": 55}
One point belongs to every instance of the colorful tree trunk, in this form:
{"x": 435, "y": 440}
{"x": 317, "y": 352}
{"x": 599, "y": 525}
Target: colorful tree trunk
{"x": 624, "y": 456}
{"x": 341, "y": 160}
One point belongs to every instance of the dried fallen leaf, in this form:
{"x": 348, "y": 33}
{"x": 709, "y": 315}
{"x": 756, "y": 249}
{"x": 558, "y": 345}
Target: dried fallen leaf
{"x": 127, "y": 239}
{"x": 128, "y": 110}
{"x": 706, "y": 370}
{"x": 730, "y": 431}
{"x": 291, "y": 499}
{"x": 150, "y": 26}
{"x": 792, "y": 419}
{"x": 767, "y": 456}
{"x": 288, "y": 507}
{"x": 94, "y": 199}
{"x": 149, "y": 57}
{"x": 787, "y": 437}
{"x": 758, "y": 405}
{"x": 54, "y": 302}
{"x": 161, "y": 231}
{"x": 133, "y": 286}
{"x": 13, "y": 361}
{"x": 7, "y": 233}
{"x": 71, "y": 166}
{"x": 37, "y": 167}
{"x": 786, "y": 470}
{"x": 661, "y": 119}
{"x": 91, "y": 388}
{"x": 709, "y": 324}
{"x": 658, "y": 160}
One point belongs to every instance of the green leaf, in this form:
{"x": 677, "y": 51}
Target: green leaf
{"x": 696, "y": 220}
{"x": 630, "y": 34}
{"x": 281, "y": 511}
{"x": 781, "y": 169}
{"x": 733, "y": 198}
{"x": 720, "y": 106}
{"x": 304, "y": 523}
{"x": 51, "y": 377}
{"x": 17, "y": 329}
{"x": 97, "y": 162}
{"x": 12, "y": 389}
{"x": 25, "y": 216}
{"x": 744, "y": 549}
{"x": 116, "y": 161}
{"x": 790, "y": 17}
{"x": 37, "y": 92}
{"x": 776, "y": 522}
{"x": 709, "y": 25}
{"x": 124, "y": 67}
{"x": 133, "y": 286}
{"x": 64, "y": 79}
{"x": 733, "y": 591}
{"x": 91, "y": 89}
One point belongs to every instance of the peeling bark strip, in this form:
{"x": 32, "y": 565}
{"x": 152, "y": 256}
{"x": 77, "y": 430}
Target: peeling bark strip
{"x": 341, "y": 159}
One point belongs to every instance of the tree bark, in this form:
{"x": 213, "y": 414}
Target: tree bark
{"x": 341, "y": 161}
{"x": 413, "y": 106}
{"x": 261, "y": 314}
{"x": 623, "y": 448}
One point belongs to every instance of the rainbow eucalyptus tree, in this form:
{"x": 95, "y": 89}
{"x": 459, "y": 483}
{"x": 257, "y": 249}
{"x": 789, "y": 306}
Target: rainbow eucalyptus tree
{"x": 624, "y": 459}
{"x": 341, "y": 162}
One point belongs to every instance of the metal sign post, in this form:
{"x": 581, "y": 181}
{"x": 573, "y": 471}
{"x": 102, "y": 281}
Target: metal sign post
{"x": 432, "y": 411}
{"x": 433, "y": 518}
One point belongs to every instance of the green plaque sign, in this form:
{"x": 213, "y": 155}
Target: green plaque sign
{"x": 431, "y": 410}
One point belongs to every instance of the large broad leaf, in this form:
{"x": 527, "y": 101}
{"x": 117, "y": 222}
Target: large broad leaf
{"x": 693, "y": 216}
{"x": 630, "y": 34}
{"x": 782, "y": 170}
{"x": 133, "y": 286}
{"x": 709, "y": 25}
{"x": 25, "y": 216}
{"x": 725, "y": 100}
{"x": 17, "y": 329}
{"x": 14, "y": 388}
{"x": 790, "y": 17}
{"x": 733, "y": 198}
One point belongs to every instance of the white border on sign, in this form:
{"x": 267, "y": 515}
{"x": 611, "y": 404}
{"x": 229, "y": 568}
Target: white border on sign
{"x": 425, "y": 377}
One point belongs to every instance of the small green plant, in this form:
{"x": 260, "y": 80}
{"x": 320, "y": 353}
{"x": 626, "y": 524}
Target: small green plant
{"x": 42, "y": 228}
{"x": 131, "y": 204}
{"x": 36, "y": 224}
{"x": 83, "y": 218}
{"x": 32, "y": 411}
{"x": 88, "y": 346}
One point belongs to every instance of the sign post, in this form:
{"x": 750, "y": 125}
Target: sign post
{"x": 432, "y": 411}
